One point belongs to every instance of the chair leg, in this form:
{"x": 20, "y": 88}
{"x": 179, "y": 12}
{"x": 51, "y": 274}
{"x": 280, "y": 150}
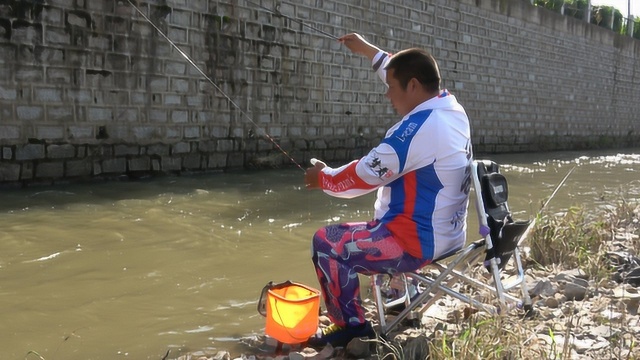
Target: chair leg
{"x": 436, "y": 287}
{"x": 399, "y": 282}
{"x": 526, "y": 298}
{"x": 376, "y": 283}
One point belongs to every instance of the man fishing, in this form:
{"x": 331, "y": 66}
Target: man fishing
{"x": 421, "y": 173}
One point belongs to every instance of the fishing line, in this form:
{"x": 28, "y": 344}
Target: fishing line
{"x": 533, "y": 223}
{"x": 214, "y": 84}
{"x": 278, "y": 13}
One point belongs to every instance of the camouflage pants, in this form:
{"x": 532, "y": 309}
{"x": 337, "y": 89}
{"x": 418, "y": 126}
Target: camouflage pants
{"x": 341, "y": 252}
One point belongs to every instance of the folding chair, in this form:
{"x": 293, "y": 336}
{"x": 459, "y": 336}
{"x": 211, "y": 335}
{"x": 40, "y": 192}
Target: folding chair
{"x": 417, "y": 291}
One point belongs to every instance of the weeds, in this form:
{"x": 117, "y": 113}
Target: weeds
{"x": 574, "y": 240}
{"x": 486, "y": 337}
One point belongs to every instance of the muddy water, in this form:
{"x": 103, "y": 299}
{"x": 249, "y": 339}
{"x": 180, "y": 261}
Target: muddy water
{"x": 132, "y": 269}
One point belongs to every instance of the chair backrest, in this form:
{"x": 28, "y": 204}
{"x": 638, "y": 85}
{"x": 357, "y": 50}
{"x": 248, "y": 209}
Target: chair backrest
{"x": 493, "y": 210}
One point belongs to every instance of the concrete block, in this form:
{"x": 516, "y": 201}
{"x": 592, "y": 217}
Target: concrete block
{"x": 27, "y": 113}
{"x": 9, "y": 132}
{"x": 51, "y": 170}
{"x": 158, "y": 149}
{"x": 226, "y": 145}
{"x": 175, "y": 67}
{"x": 99, "y": 43}
{"x": 173, "y": 133}
{"x": 26, "y": 171}
{"x": 8, "y": 93}
{"x": 158, "y": 84}
{"x": 74, "y": 19}
{"x": 118, "y": 166}
{"x": 57, "y": 75}
{"x": 178, "y": 35}
{"x": 235, "y": 160}
{"x": 7, "y": 153}
{"x": 80, "y": 132}
{"x": 146, "y": 133}
{"x": 29, "y": 74}
{"x": 191, "y": 132}
{"x": 123, "y": 150}
{"x": 60, "y": 113}
{"x": 155, "y": 165}
{"x": 60, "y": 151}
{"x": 138, "y": 98}
{"x": 158, "y": 115}
{"x": 140, "y": 164}
{"x": 180, "y": 148}
{"x": 171, "y": 163}
{"x": 171, "y": 100}
{"x": 219, "y": 131}
{"x": 9, "y": 172}
{"x": 99, "y": 114}
{"x": 192, "y": 161}
{"x": 79, "y": 96}
{"x": 207, "y": 146}
{"x": 217, "y": 161}
{"x": 180, "y": 86}
{"x": 30, "y": 152}
{"x": 81, "y": 151}
{"x": 45, "y": 132}
{"x": 97, "y": 168}
{"x": 127, "y": 114}
{"x": 29, "y": 34}
{"x": 196, "y": 100}
{"x": 179, "y": 116}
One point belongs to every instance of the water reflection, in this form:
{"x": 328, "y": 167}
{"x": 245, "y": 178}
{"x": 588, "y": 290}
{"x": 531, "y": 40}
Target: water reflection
{"x": 131, "y": 269}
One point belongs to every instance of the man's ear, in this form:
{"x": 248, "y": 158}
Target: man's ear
{"x": 414, "y": 84}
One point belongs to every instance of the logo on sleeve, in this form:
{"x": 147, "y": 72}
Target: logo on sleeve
{"x": 343, "y": 185}
{"x": 376, "y": 166}
{"x": 411, "y": 127}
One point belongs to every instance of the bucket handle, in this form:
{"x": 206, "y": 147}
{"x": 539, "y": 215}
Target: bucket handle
{"x": 262, "y": 302}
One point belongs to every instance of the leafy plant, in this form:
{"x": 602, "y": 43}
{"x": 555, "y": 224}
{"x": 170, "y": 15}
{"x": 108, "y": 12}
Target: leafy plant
{"x": 607, "y": 17}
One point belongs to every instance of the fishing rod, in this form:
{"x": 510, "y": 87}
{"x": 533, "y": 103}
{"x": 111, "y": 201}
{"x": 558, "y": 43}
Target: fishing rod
{"x": 278, "y": 13}
{"x": 533, "y": 223}
{"x": 208, "y": 78}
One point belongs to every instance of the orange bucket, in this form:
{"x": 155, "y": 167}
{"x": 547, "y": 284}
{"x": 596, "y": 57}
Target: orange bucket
{"x": 291, "y": 310}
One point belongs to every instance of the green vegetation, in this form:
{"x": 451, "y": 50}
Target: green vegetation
{"x": 572, "y": 240}
{"x": 636, "y": 28}
{"x": 604, "y": 16}
{"x": 580, "y": 239}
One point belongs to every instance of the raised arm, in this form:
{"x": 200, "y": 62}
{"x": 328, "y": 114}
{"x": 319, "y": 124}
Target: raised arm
{"x": 358, "y": 45}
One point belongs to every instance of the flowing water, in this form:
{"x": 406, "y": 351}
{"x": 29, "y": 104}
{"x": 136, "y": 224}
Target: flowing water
{"x": 129, "y": 270}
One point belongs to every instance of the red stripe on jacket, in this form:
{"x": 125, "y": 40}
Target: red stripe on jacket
{"x": 345, "y": 180}
{"x": 402, "y": 226}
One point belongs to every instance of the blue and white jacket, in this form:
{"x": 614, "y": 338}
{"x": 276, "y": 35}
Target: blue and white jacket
{"x": 421, "y": 171}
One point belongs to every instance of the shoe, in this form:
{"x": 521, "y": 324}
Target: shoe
{"x": 339, "y": 336}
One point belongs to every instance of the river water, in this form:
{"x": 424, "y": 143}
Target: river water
{"x": 129, "y": 270}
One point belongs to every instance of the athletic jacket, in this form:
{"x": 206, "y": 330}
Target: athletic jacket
{"x": 421, "y": 171}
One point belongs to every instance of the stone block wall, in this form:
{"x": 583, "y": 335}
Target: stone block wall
{"x": 92, "y": 89}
